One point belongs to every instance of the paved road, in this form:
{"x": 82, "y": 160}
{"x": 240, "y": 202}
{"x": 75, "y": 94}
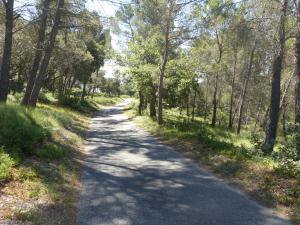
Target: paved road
{"x": 130, "y": 178}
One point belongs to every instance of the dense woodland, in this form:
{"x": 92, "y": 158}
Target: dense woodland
{"x": 56, "y": 46}
{"x": 235, "y": 64}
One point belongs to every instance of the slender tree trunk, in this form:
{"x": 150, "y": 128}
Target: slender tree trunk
{"x": 230, "y": 120}
{"x": 257, "y": 117}
{"x": 206, "y": 100}
{"x": 152, "y": 108}
{"x": 285, "y": 92}
{"x": 48, "y": 51}
{"x": 284, "y": 107}
{"x": 215, "y": 102}
{"x": 243, "y": 97}
{"x": 194, "y": 105}
{"x": 83, "y": 94}
{"x": 141, "y": 102}
{"x": 7, "y": 49}
{"x": 38, "y": 52}
{"x": 163, "y": 66}
{"x": 271, "y": 131}
{"x": 187, "y": 104}
{"x": 152, "y": 103}
{"x": 297, "y": 85}
{"x": 60, "y": 88}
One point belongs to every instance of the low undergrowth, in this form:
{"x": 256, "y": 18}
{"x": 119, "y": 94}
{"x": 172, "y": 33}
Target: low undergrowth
{"x": 272, "y": 180}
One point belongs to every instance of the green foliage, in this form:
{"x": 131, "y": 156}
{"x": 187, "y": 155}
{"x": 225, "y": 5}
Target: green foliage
{"x": 6, "y": 165}
{"x": 287, "y": 150}
{"x": 19, "y": 130}
{"x": 289, "y": 168}
{"x": 256, "y": 140}
{"x": 47, "y": 98}
{"x": 77, "y": 104}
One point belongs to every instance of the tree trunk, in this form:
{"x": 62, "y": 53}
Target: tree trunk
{"x": 7, "y": 49}
{"x": 215, "y": 102}
{"x": 230, "y": 120}
{"x": 60, "y": 89}
{"x": 38, "y": 53}
{"x": 243, "y": 97}
{"x": 206, "y": 100}
{"x": 48, "y": 51}
{"x": 141, "y": 102}
{"x": 297, "y": 85}
{"x": 285, "y": 92}
{"x": 153, "y": 103}
{"x": 284, "y": 111}
{"x": 163, "y": 68}
{"x": 270, "y": 136}
{"x": 194, "y": 106}
{"x": 187, "y": 104}
{"x": 152, "y": 108}
{"x": 257, "y": 117}
{"x": 83, "y": 94}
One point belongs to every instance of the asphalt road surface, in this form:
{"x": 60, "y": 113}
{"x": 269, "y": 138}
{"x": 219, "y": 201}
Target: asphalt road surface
{"x": 131, "y": 178}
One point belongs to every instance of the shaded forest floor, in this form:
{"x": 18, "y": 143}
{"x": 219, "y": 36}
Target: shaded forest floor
{"x": 233, "y": 158}
{"x": 40, "y": 183}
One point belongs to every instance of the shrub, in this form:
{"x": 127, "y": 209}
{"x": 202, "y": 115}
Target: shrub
{"x": 6, "y": 164}
{"x": 78, "y": 105}
{"x": 46, "y": 98}
{"x": 287, "y": 151}
{"x": 19, "y": 131}
{"x": 289, "y": 168}
{"x": 256, "y": 140}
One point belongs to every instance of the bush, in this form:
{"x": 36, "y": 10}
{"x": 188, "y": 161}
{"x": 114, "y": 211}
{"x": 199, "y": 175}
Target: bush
{"x": 19, "y": 131}
{"x": 256, "y": 140}
{"x": 6, "y": 164}
{"x": 46, "y": 98}
{"x": 287, "y": 151}
{"x": 78, "y": 105}
{"x": 289, "y": 168}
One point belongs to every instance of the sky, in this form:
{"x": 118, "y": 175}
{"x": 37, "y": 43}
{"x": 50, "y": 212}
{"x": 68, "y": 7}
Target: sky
{"x": 106, "y": 9}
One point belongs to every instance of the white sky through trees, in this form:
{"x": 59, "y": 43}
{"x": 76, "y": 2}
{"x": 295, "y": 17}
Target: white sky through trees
{"x": 105, "y": 9}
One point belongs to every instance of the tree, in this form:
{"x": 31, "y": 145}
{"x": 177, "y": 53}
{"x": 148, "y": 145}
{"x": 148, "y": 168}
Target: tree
{"x": 48, "y": 51}
{"x": 7, "y": 52}
{"x": 270, "y": 134}
{"x": 38, "y": 52}
{"x": 249, "y": 72}
{"x": 297, "y": 74}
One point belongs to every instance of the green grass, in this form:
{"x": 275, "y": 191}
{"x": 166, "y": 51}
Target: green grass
{"x": 39, "y": 153}
{"x": 273, "y": 181}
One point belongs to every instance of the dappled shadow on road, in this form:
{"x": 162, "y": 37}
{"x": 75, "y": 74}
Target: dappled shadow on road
{"x": 132, "y": 178}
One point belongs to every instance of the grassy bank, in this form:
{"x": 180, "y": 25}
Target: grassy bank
{"x": 40, "y": 160}
{"x": 273, "y": 181}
